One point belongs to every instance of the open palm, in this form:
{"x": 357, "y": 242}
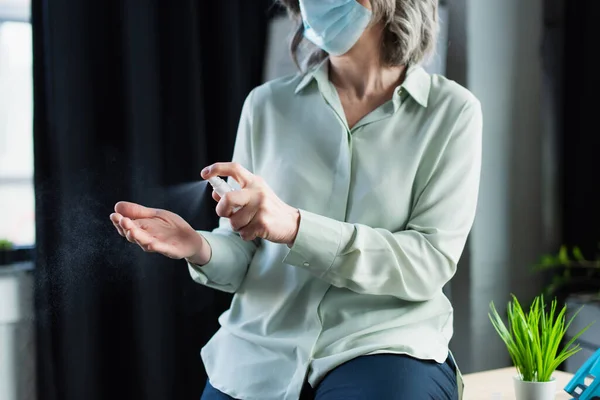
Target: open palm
{"x": 156, "y": 230}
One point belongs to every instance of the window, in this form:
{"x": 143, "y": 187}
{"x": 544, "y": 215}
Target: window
{"x": 17, "y": 200}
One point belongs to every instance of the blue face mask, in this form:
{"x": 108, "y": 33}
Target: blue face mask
{"x": 334, "y": 25}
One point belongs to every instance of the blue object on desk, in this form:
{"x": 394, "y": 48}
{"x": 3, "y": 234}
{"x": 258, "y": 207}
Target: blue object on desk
{"x": 577, "y": 387}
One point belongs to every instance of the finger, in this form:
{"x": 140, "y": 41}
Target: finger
{"x": 231, "y": 169}
{"x": 127, "y": 225}
{"x": 232, "y": 201}
{"x": 242, "y": 218}
{"x": 135, "y": 234}
{"x": 216, "y": 196}
{"x": 115, "y": 218}
{"x": 255, "y": 229}
{"x": 134, "y": 211}
{"x": 119, "y": 229}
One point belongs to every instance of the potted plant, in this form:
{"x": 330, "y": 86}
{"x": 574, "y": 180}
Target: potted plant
{"x": 533, "y": 340}
{"x": 6, "y": 248}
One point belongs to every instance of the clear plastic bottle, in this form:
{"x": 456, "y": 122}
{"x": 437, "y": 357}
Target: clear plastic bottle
{"x": 221, "y": 187}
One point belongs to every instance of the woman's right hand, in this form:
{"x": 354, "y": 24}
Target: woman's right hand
{"x": 160, "y": 231}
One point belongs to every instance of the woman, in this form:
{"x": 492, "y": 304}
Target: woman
{"x": 357, "y": 187}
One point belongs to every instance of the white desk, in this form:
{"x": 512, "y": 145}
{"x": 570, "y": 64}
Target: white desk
{"x": 498, "y": 385}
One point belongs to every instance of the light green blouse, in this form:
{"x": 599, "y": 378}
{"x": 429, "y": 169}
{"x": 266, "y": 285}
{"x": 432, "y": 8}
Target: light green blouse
{"x": 385, "y": 210}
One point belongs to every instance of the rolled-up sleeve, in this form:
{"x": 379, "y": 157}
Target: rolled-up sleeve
{"x": 413, "y": 264}
{"x": 231, "y": 255}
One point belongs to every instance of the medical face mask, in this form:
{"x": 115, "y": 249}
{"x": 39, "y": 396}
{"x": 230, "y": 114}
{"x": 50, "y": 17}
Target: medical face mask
{"x": 334, "y": 25}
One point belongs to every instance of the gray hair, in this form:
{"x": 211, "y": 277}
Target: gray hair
{"x": 410, "y": 30}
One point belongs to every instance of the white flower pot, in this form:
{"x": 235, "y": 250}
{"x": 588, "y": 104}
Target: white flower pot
{"x": 534, "y": 390}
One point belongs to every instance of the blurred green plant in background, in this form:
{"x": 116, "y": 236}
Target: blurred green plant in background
{"x": 5, "y": 245}
{"x": 572, "y": 273}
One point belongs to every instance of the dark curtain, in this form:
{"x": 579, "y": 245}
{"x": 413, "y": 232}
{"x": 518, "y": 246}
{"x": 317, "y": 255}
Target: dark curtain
{"x": 132, "y": 100}
{"x": 580, "y": 144}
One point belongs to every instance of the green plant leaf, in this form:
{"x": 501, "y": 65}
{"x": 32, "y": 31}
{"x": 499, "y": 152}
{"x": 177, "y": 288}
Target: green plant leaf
{"x": 563, "y": 255}
{"x": 547, "y": 261}
{"x": 533, "y": 338}
{"x": 577, "y": 254}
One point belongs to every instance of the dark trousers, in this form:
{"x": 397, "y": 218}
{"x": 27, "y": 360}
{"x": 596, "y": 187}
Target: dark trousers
{"x": 379, "y": 376}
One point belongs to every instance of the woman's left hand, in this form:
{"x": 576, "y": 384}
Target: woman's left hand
{"x": 262, "y": 213}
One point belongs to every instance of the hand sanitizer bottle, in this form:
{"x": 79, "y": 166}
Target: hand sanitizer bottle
{"x": 221, "y": 187}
